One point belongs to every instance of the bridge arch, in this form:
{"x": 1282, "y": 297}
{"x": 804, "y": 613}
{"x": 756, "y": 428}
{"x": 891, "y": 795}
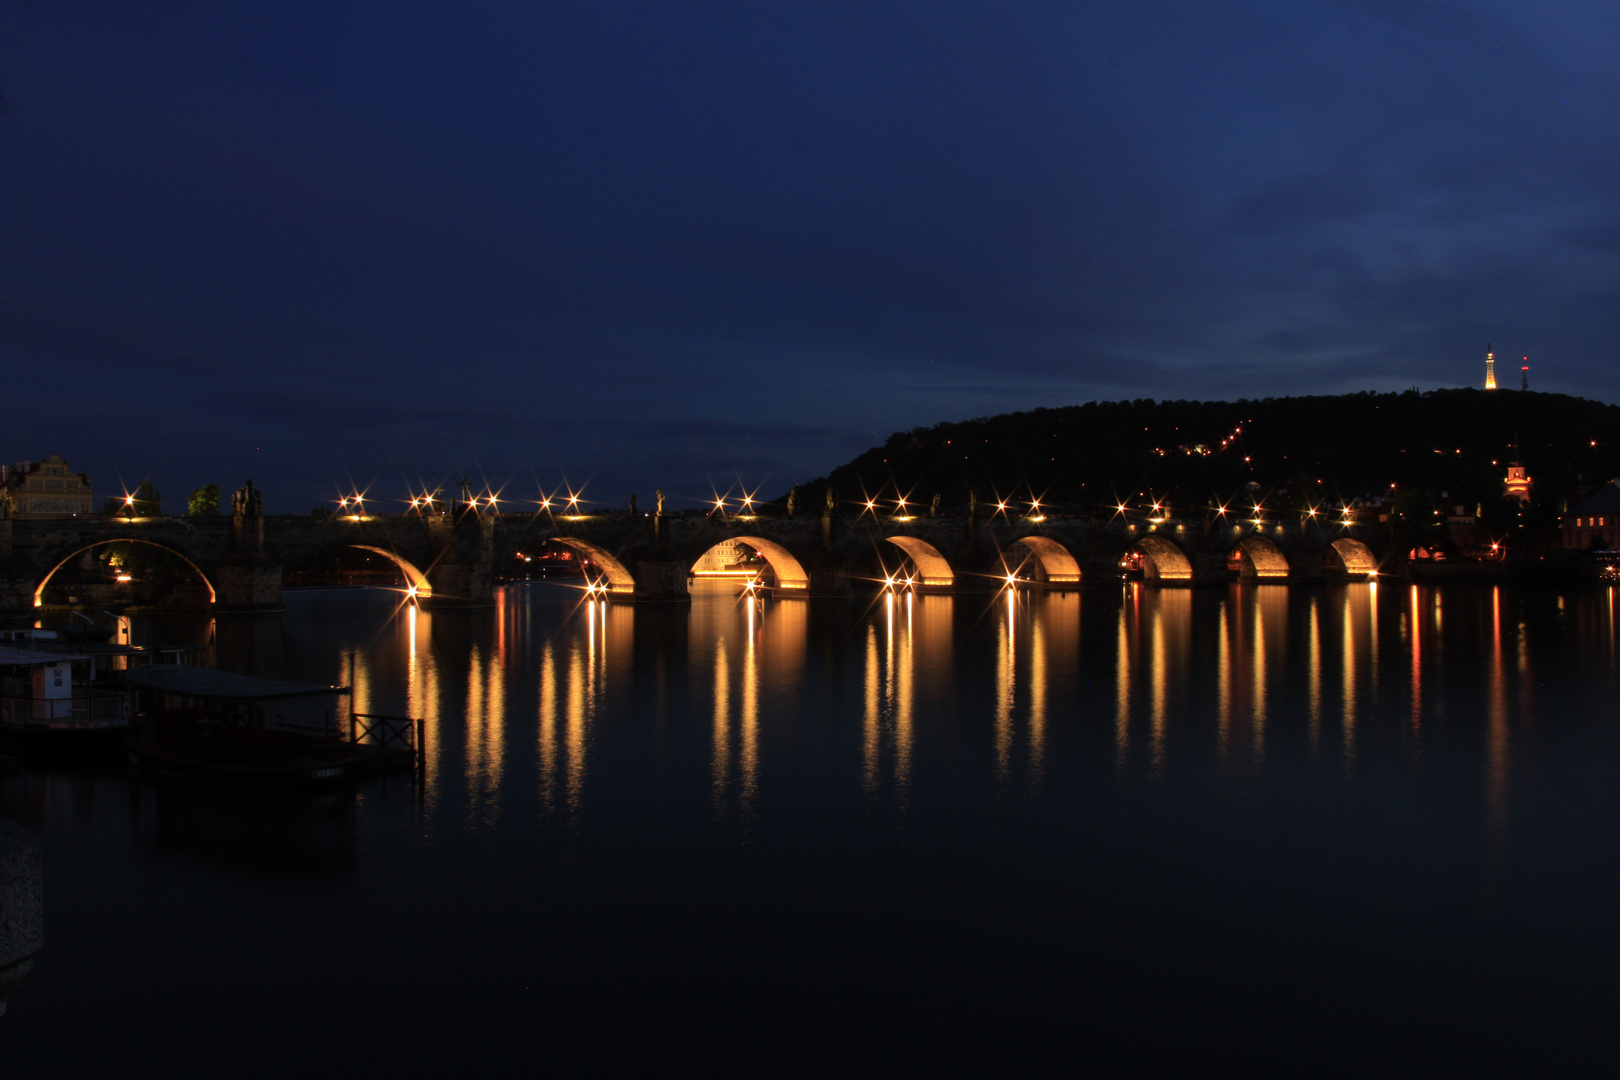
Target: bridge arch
{"x": 1163, "y": 560}
{"x": 1257, "y": 557}
{"x": 620, "y": 579}
{"x": 1055, "y": 560}
{"x": 1353, "y": 557}
{"x": 39, "y": 590}
{"x": 932, "y": 567}
{"x": 418, "y": 582}
{"x": 790, "y": 573}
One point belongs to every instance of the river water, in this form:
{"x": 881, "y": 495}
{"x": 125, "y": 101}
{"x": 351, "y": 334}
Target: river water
{"x": 1188, "y": 826}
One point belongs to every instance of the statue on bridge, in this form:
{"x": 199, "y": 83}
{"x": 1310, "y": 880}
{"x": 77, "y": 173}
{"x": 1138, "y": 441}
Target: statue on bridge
{"x": 7, "y": 503}
{"x": 793, "y": 500}
{"x": 247, "y": 521}
{"x": 933, "y": 507}
{"x": 832, "y": 502}
{"x": 633, "y": 511}
{"x": 660, "y": 494}
{"x": 247, "y": 502}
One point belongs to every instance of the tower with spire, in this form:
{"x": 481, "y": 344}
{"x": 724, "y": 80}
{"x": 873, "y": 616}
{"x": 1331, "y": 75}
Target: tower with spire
{"x": 1517, "y": 483}
{"x": 1490, "y": 368}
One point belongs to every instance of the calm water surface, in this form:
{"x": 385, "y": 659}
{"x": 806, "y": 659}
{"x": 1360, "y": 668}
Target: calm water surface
{"x": 1188, "y": 825}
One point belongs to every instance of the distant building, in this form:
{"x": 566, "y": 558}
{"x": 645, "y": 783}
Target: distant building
{"x": 46, "y": 489}
{"x": 1595, "y": 523}
{"x": 1517, "y": 483}
{"x": 1368, "y": 509}
{"x": 1490, "y": 369}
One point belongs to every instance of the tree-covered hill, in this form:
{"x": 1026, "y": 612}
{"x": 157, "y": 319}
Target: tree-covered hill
{"x": 1093, "y": 456}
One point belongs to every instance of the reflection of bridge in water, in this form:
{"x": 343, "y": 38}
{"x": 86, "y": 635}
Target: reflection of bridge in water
{"x": 451, "y": 555}
{"x": 1237, "y": 673}
{"x": 526, "y": 701}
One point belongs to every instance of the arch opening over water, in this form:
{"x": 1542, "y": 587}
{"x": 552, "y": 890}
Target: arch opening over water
{"x": 39, "y": 590}
{"x": 1163, "y": 560}
{"x": 1055, "y": 561}
{"x": 619, "y": 579}
{"x": 788, "y": 572}
{"x": 1352, "y": 557}
{"x": 416, "y": 582}
{"x": 932, "y": 568}
{"x": 1257, "y": 557}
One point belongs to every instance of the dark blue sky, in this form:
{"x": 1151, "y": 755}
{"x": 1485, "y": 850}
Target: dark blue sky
{"x": 659, "y": 244}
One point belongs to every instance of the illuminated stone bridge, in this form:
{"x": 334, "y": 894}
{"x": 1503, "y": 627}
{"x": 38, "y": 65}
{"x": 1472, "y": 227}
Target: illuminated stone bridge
{"x": 451, "y": 556}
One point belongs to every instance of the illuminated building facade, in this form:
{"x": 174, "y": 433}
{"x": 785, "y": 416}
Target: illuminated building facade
{"x": 1516, "y": 485}
{"x": 46, "y": 489}
{"x": 1595, "y": 522}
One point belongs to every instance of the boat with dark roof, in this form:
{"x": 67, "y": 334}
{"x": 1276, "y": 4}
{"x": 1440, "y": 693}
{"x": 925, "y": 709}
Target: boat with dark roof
{"x": 204, "y": 726}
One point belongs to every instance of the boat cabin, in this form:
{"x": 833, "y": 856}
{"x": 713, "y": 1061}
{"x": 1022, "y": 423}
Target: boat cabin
{"x": 53, "y": 691}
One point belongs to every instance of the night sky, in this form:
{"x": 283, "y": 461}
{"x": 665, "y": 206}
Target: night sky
{"x": 672, "y": 245}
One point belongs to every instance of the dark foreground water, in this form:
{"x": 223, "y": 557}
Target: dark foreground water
{"x": 1373, "y": 825}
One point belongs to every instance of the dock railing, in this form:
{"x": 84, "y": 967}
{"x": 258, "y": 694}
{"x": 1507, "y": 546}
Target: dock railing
{"x": 87, "y": 708}
{"x": 386, "y": 731}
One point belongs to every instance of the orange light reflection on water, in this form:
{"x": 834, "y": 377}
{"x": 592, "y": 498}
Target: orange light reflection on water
{"x": 1196, "y": 673}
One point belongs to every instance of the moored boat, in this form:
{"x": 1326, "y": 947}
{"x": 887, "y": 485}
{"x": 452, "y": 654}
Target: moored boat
{"x": 205, "y": 726}
{"x": 48, "y": 697}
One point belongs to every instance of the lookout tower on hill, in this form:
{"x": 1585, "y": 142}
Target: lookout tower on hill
{"x": 1490, "y": 368}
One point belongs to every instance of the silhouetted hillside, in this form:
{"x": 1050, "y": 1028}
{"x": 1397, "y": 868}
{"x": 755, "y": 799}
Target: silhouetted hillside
{"x": 1313, "y": 449}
